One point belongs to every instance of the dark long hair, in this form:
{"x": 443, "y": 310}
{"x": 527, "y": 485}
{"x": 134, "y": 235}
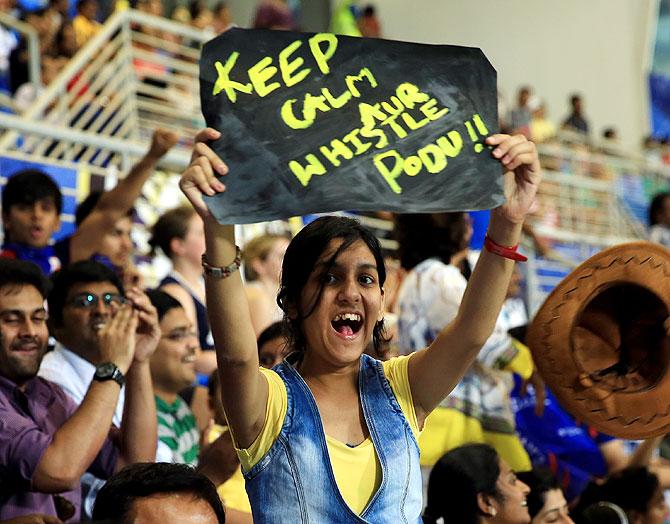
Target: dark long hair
{"x": 300, "y": 259}
{"x": 429, "y": 235}
{"x": 456, "y": 480}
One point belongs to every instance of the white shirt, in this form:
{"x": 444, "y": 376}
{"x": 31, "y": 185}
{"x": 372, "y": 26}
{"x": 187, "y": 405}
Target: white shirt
{"x": 74, "y": 375}
{"x": 428, "y": 299}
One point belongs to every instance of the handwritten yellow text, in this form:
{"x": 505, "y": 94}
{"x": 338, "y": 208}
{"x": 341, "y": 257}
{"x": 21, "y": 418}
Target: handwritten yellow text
{"x": 406, "y": 111}
{"x": 263, "y": 75}
{"x": 324, "y": 102}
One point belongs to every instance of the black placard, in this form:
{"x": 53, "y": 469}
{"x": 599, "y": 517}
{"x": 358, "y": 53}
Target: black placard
{"x": 314, "y": 123}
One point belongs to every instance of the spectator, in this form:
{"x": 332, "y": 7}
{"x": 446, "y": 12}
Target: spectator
{"x": 222, "y": 19}
{"x": 19, "y": 57}
{"x": 659, "y": 219}
{"x": 541, "y": 128}
{"x": 604, "y": 513}
{"x": 201, "y": 16}
{"x": 274, "y": 14}
{"x": 368, "y": 23}
{"x": 85, "y": 298}
{"x": 519, "y": 117}
{"x": 576, "y": 120}
{"x": 47, "y": 442}
{"x": 635, "y": 490}
{"x": 546, "y": 503}
{"x": 172, "y": 369}
{"x": 306, "y": 411}
{"x": 472, "y": 485}
{"x": 104, "y": 220}
{"x": 31, "y": 207}
{"x": 262, "y": 258}
{"x": 179, "y": 234}
{"x": 272, "y": 345}
{"x": 85, "y": 24}
{"x": 477, "y": 409}
{"x": 165, "y": 493}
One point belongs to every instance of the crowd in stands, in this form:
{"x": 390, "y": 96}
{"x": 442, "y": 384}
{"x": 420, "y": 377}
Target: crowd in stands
{"x": 114, "y": 407}
{"x": 162, "y": 396}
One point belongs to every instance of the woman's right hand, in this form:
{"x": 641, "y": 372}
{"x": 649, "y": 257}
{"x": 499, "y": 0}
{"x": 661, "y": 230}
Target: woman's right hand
{"x": 200, "y": 177}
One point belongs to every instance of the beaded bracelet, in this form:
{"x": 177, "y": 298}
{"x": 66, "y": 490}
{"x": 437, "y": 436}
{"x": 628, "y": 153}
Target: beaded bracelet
{"x": 225, "y": 271}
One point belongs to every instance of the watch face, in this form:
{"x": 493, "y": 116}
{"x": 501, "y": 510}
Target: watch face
{"x": 105, "y": 370}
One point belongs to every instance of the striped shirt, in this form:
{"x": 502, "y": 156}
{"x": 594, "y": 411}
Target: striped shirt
{"x": 178, "y": 431}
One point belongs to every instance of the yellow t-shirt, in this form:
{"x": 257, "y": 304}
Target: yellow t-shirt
{"x": 522, "y": 363}
{"x": 84, "y": 29}
{"x": 447, "y": 428}
{"x": 357, "y": 470}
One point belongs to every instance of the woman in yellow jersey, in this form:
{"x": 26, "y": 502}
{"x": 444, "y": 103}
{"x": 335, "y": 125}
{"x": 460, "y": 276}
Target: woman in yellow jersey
{"x": 330, "y": 434}
{"x": 472, "y": 485}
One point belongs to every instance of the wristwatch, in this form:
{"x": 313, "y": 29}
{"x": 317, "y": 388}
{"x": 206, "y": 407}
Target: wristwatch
{"x": 109, "y": 371}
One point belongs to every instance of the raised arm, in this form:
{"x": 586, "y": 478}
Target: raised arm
{"x": 245, "y": 391}
{"x": 114, "y": 204}
{"x": 139, "y": 424}
{"x": 77, "y": 442}
{"x": 433, "y": 373}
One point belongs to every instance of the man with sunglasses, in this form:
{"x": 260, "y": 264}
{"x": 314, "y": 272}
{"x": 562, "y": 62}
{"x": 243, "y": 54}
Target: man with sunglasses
{"x": 47, "y": 441}
{"x": 85, "y": 298}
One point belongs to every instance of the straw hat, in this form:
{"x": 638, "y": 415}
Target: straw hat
{"x": 600, "y": 341}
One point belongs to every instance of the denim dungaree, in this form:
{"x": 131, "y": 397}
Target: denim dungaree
{"x": 294, "y": 481}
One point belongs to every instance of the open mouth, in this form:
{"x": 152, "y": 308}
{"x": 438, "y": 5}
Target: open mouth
{"x": 188, "y": 359}
{"x": 347, "y": 324}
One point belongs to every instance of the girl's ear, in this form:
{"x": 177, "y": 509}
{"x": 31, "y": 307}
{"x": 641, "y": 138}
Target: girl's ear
{"x": 292, "y": 312}
{"x": 487, "y": 505}
{"x": 382, "y": 307}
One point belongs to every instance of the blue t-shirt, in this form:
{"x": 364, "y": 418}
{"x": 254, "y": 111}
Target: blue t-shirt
{"x": 556, "y": 441}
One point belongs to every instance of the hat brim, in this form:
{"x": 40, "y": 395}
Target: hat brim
{"x": 593, "y": 352}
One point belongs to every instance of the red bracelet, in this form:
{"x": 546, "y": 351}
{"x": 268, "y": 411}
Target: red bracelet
{"x": 502, "y": 251}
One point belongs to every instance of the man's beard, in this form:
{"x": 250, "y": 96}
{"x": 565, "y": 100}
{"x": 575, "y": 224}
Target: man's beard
{"x": 21, "y": 369}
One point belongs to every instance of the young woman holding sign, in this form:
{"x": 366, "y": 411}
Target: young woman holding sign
{"x": 330, "y": 434}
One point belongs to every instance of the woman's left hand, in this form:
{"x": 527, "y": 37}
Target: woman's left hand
{"x": 522, "y": 177}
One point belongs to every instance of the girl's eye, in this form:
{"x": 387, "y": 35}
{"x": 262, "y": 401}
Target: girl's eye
{"x": 329, "y": 278}
{"x": 366, "y": 279}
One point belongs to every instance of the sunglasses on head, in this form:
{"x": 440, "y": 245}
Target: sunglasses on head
{"x": 89, "y": 300}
